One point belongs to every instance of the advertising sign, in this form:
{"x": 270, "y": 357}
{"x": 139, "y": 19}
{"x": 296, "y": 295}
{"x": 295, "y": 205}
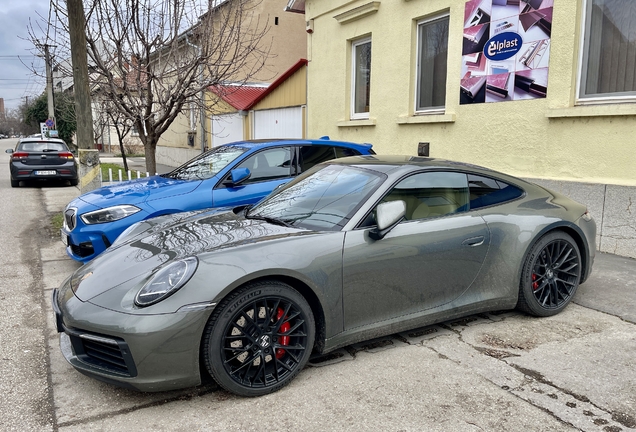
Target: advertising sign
{"x": 506, "y": 50}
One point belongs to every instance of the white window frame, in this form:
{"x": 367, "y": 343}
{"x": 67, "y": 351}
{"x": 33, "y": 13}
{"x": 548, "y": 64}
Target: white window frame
{"x": 582, "y": 72}
{"x": 354, "y": 115}
{"x": 418, "y": 70}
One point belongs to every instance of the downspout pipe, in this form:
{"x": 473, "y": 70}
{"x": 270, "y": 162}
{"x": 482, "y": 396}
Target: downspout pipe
{"x": 202, "y": 96}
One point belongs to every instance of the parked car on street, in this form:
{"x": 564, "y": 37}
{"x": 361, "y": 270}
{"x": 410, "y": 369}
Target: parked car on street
{"x": 231, "y": 174}
{"x": 42, "y": 159}
{"x": 353, "y": 249}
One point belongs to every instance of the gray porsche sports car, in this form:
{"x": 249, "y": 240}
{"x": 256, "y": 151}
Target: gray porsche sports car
{"x": 353, "y": 249}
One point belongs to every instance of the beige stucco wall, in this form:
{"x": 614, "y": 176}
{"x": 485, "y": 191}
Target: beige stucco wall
{"x": 547, "y": 138}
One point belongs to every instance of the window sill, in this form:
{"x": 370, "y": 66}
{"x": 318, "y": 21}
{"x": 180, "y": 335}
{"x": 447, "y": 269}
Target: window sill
{"x": 356, "y": 123}
{"x": 593, "y": 111}
{"x": 426, "y": 118}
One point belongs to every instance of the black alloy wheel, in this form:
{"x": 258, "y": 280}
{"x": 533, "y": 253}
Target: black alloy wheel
{"x": 259, "y": 338}
{"x": 550, "y": 275}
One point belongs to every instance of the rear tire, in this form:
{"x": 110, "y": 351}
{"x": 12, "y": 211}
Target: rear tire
{"x": 15, "y": 183}
{"x": 74, "y": 182}
{"x": 550, "y": 276}
{"x": 259, "y": 338}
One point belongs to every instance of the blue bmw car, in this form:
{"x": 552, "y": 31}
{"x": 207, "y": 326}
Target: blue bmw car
{"x": 228, "y": 175}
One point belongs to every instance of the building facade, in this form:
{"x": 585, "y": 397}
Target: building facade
{"x": 540, "y": 89}
{"x": 286, "y": 44}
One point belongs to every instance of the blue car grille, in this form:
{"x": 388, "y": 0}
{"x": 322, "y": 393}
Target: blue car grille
{"x": 69, "y": 218}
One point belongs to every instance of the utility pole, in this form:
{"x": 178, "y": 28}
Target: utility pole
{"x": 49, "y": 83}
{"x": 89, "y": 168}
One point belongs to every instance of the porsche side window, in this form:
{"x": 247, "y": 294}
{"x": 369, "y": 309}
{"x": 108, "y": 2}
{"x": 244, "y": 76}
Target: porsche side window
{"x": 431, "y": 194}
{"x": 486, "y": 191}
{"x": 269, "y": 164}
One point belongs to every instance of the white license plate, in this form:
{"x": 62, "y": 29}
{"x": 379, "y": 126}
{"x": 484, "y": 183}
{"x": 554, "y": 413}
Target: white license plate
{"x": 64, "y": 238}
{"x": 51, "y": 172}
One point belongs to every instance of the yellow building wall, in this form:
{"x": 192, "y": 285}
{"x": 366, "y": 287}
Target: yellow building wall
{"x": 547, "y": 138}
{"x": 292, "y": 92}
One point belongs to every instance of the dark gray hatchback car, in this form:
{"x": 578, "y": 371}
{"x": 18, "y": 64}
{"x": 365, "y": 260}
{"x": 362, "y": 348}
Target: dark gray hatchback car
{"x": 42, "y": 159}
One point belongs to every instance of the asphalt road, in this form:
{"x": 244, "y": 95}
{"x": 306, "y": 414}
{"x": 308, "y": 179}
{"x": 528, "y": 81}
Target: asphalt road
{"x": 497, "y": 372}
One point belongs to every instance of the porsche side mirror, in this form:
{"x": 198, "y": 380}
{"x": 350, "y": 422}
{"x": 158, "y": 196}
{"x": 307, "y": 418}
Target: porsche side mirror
{"x": 387, "y": 215}
{"x": 9, "y": 151}
{"x": 238, "y": 176}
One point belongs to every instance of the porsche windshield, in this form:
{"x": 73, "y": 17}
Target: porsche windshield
{"x": 323, "y": 199}
{"x": 208, "y": 164}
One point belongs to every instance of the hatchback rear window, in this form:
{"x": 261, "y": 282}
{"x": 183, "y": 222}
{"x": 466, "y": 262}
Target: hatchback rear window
{"x": 42, "y": 147}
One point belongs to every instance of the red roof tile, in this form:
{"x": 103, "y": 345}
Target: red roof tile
{"x": 240, "y": 97}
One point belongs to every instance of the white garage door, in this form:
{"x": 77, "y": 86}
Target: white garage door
{"x": 226, "y": 128}
{"x": 278, "y": 123}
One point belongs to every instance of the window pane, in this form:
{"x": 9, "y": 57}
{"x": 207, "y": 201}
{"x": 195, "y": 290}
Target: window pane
{"x": 485, "y": 191}
{"x": 362, "y": 77}
{"x": 432, "y": 69}
{"x": 344, "y": 152}
{"x": 324, "y": 199}
{"x": 312, "y": 155}
{"x": 268, "y": 165}
{"x": 610, "y": 67}
{"x": 431, "y": 194}
{"x": 208, "y": 164}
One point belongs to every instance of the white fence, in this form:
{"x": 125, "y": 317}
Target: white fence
{"x": 123, "y": 176}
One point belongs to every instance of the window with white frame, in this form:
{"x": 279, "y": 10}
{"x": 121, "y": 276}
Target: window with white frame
{"x": 608, "y": 63}
{"x": 360, "y": 78}
{"x": 432, "y": 53}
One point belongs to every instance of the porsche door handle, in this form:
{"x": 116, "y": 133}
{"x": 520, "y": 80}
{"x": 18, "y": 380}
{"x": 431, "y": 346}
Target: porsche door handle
{"x": 474, "y": 241}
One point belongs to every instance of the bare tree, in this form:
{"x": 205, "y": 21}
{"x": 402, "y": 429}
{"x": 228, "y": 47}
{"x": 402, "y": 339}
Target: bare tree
{"x": 152, "y": 59}
{"x": 123, "y": 126}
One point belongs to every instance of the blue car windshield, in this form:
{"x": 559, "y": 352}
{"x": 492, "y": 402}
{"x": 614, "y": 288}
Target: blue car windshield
{"x": 323, "y": 198}
{"x": 208, "y": 164}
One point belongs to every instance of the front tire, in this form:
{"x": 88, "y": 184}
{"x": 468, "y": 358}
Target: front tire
{"x": 259, "y": 338}
{"x": 550, "y": 276}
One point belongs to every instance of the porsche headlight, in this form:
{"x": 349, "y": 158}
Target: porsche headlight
{"x": 109, "y": 214}
{"x": 166, "y": 281}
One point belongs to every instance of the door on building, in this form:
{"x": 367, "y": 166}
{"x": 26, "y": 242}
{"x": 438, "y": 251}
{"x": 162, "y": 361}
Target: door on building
{"x": 278, "y": 123}
{"x": 226, "y": 128}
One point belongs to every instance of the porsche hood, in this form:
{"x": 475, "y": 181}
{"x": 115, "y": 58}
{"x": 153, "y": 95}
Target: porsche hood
{"x": 194, "y": 234}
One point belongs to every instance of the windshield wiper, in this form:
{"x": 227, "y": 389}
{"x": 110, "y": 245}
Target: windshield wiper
{"x": 269, "y": 219}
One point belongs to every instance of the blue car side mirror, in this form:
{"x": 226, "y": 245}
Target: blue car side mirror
{"x": 239, "y": 175}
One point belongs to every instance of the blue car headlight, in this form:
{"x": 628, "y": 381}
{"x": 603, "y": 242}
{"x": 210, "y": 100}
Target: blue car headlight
{"x": 109, "y": 214}
{"x": 166, "y": 281}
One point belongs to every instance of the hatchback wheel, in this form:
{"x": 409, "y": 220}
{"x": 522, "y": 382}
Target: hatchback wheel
{"x": 550, "y": 276}
{"x": 259, "y": 338}
{"x": 15, "y": 183}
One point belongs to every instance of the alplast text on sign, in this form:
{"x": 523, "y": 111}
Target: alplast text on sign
{"x": 503, "y": 46}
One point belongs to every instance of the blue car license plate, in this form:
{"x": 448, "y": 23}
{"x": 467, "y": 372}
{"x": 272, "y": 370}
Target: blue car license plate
{"x": 64, "y": 238}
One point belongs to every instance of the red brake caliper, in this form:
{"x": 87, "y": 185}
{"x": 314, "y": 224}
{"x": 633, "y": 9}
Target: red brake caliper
{"x": 283, "y": 340}
{"x": 535, "y": 284}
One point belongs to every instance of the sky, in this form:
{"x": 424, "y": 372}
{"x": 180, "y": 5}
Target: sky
{"x": 17, "y": 81}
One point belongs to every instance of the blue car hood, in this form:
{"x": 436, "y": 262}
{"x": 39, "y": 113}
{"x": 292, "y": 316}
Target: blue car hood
{"x": 138, "y": 191}
{"x": 169, "y": 238}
